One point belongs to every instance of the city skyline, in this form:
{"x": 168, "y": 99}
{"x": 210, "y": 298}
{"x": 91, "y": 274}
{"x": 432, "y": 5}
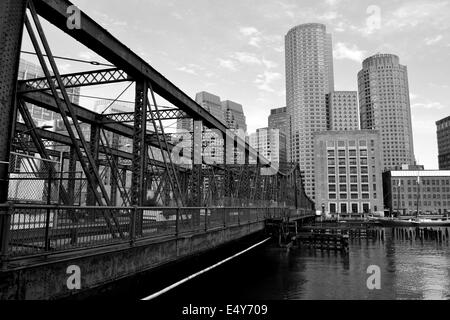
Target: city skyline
{"x": 246, "y": 62}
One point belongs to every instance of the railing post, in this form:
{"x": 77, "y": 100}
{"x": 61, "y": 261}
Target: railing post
{"x": 239, "y": 216}
{"x": 176, "y": 222}
{"x": 206, "y": 219}
{"x": 224, "y": 216}
{"x": 133, "y": 225}
{"x": 47, "y": 220}
{"x": 5, "y": 225}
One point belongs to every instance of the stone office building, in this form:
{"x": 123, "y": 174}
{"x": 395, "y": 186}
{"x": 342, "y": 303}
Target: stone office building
{"x": 348, "y": 172}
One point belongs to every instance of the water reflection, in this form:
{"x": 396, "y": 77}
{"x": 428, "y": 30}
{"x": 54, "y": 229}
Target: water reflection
{"x": 410, "y": 269}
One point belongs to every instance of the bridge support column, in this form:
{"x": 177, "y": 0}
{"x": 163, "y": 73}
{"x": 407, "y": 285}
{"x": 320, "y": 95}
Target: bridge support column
{"x": 12, "y": 15}
{"x": 112, "y": 181}
{"x": 197, "y": 174}
{"x": 94, "y": 150}
{"x": 138, "y": 191}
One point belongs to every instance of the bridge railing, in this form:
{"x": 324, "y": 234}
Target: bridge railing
{"x": 42, "y": 229}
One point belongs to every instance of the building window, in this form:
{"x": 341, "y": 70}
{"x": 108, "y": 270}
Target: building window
{"x": 332, "y": 207}
{"x": 343, "y": 196}
{"x": 343, "y": 208}
{"x": 366, "y": 207}
{"x": 354, "y": 208}
{"x": 332, "y": 196}
{"x": 331, "y": 179}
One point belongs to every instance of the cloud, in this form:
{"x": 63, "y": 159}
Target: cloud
{"x": 429, "y": 105}
{"x": 413, "y": 96}
{"x": 187, "y": 70}
{"x": 263, "y": 81}
{"x": 251, "y": 59}
{"x": 346, "y": 51}
{"x": 418, "y": 13}
{"x": 329, "y": 16}
{"x": 431, "y": 41}
{"x": 248, "y": 31}
{"x": 253, "y": 35}
{"x": 227, "y": 64}
{"x": 332, "y": 2}
{"x": 246, "y": 58}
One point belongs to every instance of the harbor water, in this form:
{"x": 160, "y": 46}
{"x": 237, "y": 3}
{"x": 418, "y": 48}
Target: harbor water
{"x": 409, "y": 268}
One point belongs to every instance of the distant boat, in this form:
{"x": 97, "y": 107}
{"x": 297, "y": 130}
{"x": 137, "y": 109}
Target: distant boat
{"x": 412, "y": 222}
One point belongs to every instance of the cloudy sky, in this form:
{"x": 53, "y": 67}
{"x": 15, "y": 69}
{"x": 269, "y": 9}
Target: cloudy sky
{"x": 235, "y": 48}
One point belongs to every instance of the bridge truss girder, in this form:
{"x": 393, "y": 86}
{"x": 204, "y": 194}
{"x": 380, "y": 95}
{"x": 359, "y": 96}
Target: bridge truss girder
{"x": 147, "y": 174}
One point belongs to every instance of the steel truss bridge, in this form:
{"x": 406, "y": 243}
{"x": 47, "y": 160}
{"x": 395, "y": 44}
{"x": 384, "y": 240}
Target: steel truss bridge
{"x": 91, "y": 190}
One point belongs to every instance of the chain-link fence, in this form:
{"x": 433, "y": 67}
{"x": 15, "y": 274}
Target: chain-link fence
{"x": 41, "y": 181}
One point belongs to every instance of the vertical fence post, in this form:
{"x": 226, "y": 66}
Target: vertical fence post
{"x": 177, "y": 219}
{"x": 5, "y": 225}
{"x": 47, "y": 220}
{"x": 133, "y": 225}
{"x": 206, "y": 219}
{"x": 239, "y": 216}
{"x": 224, "y": 217}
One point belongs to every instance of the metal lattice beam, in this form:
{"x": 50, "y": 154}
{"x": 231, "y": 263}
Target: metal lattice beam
{"x": 79, "y": 79}
{"x": 92, "y": 35}
{"x": 163, "y": 114}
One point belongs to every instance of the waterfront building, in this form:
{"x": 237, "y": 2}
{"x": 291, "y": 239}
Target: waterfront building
{"x": 348, "y": 172}
{"x": 342, "y": 111}
{"x": 309, "y": 77}
{"x": 409, "y": 191}
{"x": 271, "y": 144}
{"x": 279, "y": 119}
{"x": 385, "y": 106}
{"x": 443, "y": 138}
{"x": 234, "y": 115}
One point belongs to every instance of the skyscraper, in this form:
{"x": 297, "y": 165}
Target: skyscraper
{"x": 309, "y": 77}
{"x": 215, "y": 143}
{"x": 271, "y": 144}
{"x": 211, "y": 103}
{"x": 443, "y": 138}
{"x": 279, "y": 119}
{"x": 234, "y": 115}
{"x": 342, "y": 110}
{"x": 384, "y": 105}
